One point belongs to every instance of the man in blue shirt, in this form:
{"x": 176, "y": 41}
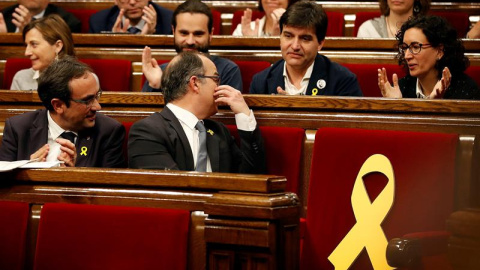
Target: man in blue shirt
{"x": 192, "y": 27}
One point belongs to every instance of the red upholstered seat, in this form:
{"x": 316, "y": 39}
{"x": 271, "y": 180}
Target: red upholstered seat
{"x": 12, "y": 66}
{"x": 84, "y": 16}
{"x": 474, "y": 72}
{"x": 248, "y": 69}
{"x": 217, "y": 22}
{"x": 114, "y": 74}
{"x": 79, "y": 236}
{"x": 336, "y": 24}
{"x": 424, "y": 172}
{"x": 335, "y": 28}
{"x": 283, "y": 147}
{"x": 13, "y": 232}
{"x": 367, "y": 76}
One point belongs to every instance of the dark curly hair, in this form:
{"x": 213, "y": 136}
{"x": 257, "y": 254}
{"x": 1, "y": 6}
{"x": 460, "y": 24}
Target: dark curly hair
{"x": 439, "y": 33}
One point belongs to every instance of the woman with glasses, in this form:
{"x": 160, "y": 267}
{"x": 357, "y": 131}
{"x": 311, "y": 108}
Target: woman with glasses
{"x": 47, "y": 39}
{"x": 434, "y": 61}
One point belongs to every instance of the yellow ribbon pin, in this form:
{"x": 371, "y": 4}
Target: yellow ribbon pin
{"x": 210, "y": 132}
{"x": 84, "y": 151}
{"x": 314, "y": 91}
{"x": 367, "y": 232}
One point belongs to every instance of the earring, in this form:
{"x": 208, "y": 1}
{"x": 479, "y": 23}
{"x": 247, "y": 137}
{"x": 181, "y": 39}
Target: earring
{"x": 56, "y": 56}
{"x": 416, "y": 7}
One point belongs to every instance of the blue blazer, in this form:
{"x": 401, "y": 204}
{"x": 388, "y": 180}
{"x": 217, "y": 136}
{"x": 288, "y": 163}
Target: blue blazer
{"x": 328, "y": 79}
{"x": 105, "y": 19}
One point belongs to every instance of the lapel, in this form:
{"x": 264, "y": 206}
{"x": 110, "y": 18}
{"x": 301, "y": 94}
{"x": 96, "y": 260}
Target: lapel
{"x": 275, "y": 77}
{"x": 176, "y": 132}
{"x": 319, "y": 74}
{"x": 38, "y": 132}
{"x": 85, "y": 151}
{"x": 213, "y": 146}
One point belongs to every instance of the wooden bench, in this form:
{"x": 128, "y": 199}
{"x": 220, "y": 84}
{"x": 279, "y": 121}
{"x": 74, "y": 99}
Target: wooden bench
{"x": 235, "y": 219}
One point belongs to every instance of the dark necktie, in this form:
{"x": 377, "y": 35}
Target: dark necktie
{"x": 69, "y": 136}
{"x": 133, "y": 30}
{"x": 202, "y": 149}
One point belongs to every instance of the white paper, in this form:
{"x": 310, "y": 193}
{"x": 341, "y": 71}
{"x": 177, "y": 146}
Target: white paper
{"x": 10, "y": 165}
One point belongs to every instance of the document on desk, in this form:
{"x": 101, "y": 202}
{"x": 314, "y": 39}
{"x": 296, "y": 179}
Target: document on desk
{"x": 27, "y": 164}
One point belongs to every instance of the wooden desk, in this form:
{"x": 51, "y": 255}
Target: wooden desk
{"x": 236, "y": 218}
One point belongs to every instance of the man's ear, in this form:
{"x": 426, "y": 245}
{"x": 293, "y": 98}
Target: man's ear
{"x": 320, "y": 45}
{"x": 194, "y": 83}
{"x": 58, "y": 105}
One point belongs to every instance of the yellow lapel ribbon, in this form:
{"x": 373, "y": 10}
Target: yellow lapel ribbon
{"x": 210, "y": 131}
{"x": 84, "y": 151}
{"x": 314, "y": 91}
{"x": 367, "y": 232}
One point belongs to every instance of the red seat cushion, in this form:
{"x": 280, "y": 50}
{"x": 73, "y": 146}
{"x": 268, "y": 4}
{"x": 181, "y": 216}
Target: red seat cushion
{"x": 84, "y": 16}
{"x": 13, "y": 232}
{"x": 283, "y": 147}
{"x": 424, "y": 170}
{"x": 367, "y": 76}
{"x": 248, "y": 69}
{"x": 217, "y": 22}
{"x": 76, "y": 236}
{"x": 474, "y": 72}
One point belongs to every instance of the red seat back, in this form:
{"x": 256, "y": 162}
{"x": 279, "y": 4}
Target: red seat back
{"x": 217, "y": 22}
{"x": 474, "y": 72}
{"x": 13, "y": 232}
{"x": 84, "y": 16}
{"x": 367, "y": 76}
{"x": 283, "y": 147}
{"x": 363, "y": 16}
{"x": 79, "y": 236}
{"x": 114, "y": 74}
{"x": 459, "y": 20}
{"x": 12, "y": 66}
{"x": 336, "y": 24}
{"x": 248, "y": 69}
{"x": 424, "y": 172}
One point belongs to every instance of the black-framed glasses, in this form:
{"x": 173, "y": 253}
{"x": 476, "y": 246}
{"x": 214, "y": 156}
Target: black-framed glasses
{"x": 414, "y": 47}
{"x": 89, "y": 101}
{"x": 215, "y": 78}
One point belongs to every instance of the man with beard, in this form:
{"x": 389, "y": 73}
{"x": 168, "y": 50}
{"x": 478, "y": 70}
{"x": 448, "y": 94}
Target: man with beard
{"x": 134, "y": 17}
{"x": 14, "y": 18}
{"x": 192, "y": 26}
{"x": 70, "y": 129}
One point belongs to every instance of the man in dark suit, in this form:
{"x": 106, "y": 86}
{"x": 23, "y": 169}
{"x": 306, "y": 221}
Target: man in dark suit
{"x": 132, "y": 16}
{"x": 303, "y": 71}
{"x": 70, "y": 129}
{"x": 14, "y": 18}
{"x": 172, "y": 138}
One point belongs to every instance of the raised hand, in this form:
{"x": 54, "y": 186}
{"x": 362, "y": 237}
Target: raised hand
{"x": 21, "y": 17}
{"x": 151, "y": 69}
{"x": 385, "y": 87}
{"x": 442, "y": 85}
{"x": 118, "y": 26}
{"x": 3, "y": 25}
{"x": 68, "y": 153}
{"x": 227, "y": 95}
{"x": 246, "y": 24}
{"x": 150, "y": 17}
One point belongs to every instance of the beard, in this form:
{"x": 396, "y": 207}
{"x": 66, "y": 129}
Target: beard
{"x": 200, "y": 48}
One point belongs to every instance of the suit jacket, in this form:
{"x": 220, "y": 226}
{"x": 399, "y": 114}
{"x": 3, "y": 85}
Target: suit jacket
{"x": 328, "y": 79}
{"x": 105, "y": 19}
{"x": 461, "y": 87}
{"x": 159, "y": 142}
{"x": 72, "y": 21}
{"x": 99, "y": 146}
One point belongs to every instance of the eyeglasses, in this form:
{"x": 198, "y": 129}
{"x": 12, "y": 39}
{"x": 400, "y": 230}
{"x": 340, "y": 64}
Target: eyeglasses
{"x": 414, "y": 47}
{"x": 89, "y": 101}
{"x": 215, "y": 78}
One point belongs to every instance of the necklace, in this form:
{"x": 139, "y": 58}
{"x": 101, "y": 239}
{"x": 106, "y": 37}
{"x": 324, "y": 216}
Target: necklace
{"x": 392, "y": 33}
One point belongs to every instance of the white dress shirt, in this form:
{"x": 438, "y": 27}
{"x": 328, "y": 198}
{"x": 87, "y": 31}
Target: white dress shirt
{"x": 290, "y": 88}
{"x": 54, "y": 132}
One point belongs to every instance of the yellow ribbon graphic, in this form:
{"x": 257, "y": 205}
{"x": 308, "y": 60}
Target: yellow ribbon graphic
{"x": 314, "y": 91}
{"x": 210, "y": 131}
{"x": 84, "y": 151}
{"x": 367, "y": 232}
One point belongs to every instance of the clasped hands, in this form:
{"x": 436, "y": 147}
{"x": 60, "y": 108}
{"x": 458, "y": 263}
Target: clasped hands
{"x": 21, "y": 17}
{"x": 149, "y": 16}
{"x": 247, "y": 19}
{"x": 393, "y": 91}
{"x": 68, "y": 153}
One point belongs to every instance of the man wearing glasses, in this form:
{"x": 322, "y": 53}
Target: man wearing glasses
{"x": 181, "y": 137}
{"x": 70, "y": 129}
{"x": 134, "y": 17}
